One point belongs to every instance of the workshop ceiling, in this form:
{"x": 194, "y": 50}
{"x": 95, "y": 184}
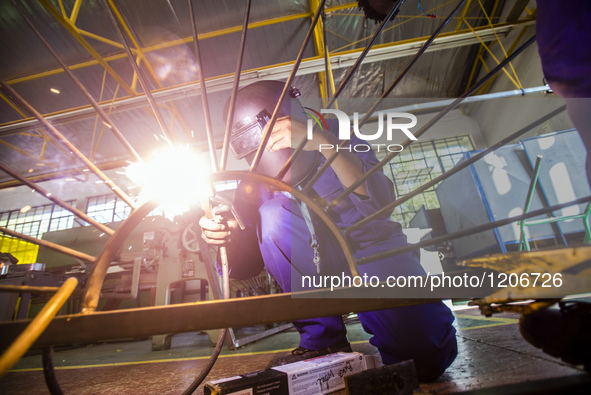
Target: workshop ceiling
{"x": 159, "y": 33}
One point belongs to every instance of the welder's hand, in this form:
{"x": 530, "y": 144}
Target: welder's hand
{"x": 284, "y": 132}
{"x": 218, "y": 234}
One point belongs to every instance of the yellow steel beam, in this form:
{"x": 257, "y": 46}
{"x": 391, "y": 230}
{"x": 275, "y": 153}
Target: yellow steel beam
{"x": 464, "y": 12}
{"x": 319, "y": 49}
{"x": 492, "y": 54}
{"x": 73, "y": 30}
{"x": 75, "y": 11}
{"x": 499, "y": 41}
{"x": 485, "y": 87}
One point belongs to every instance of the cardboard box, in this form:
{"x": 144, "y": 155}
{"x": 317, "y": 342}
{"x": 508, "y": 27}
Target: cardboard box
{"x": 320, "y": 375}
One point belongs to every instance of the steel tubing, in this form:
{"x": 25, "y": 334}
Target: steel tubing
{"x": 230, "y": 119}
{"x": 204, "y": 99}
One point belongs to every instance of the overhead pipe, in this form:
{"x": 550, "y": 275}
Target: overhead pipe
{"x": 63, "y": 140}
{"x": 81, "y": 87}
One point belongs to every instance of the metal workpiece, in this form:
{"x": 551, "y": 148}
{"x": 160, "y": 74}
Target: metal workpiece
{"x": 190, "y": 317}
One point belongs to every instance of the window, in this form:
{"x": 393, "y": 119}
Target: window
{"x": 32, "y": 222}
{"x": 420, "y": 163}
{"x": 107, "y": 208}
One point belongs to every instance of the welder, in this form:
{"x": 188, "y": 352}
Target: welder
{"x": 289, "y": 241}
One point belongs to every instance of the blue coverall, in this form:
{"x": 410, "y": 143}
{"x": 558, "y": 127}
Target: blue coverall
{"x": 278, "y": 236}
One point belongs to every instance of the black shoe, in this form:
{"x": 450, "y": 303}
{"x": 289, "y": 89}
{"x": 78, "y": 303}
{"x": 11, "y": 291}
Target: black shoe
{"x": 301, "y": 353}
{"x": 561, "y": 330}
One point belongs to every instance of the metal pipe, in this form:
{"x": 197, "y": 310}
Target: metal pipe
{"x": 530, "y": 195}
{"x": 56, "y": 200}
{"x": 37, "y": 326}
{"x": 62, "y": 139}
{"x": 27, "y": 288}
{"x": 468, "y": 232}
{"x": 429, "y": 124}
{"x": 296, "y": 65}
{"x": 50, "y": 245}
{"x": 167, "y": 133}
{"x": 370, "y": 44}
{"x": 367, "y": 116}
{"x": 454, "y": 170}
{"x": 79, "y": 85}
{"x": 204, "y": 99}
{"x": 230, "y": 119}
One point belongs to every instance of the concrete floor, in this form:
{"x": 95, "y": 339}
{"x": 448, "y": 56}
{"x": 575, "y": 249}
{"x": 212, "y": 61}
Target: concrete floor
{"x": 491, "y": 354}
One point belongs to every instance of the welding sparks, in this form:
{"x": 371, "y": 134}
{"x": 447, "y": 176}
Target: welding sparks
{"x": 176, "y": 177}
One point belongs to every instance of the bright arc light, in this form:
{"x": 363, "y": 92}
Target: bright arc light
{"x": 176, "y": 177}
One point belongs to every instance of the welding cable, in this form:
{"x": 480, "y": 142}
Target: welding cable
{"x": 222, "y": 337}
{"x": 26, "y": 339}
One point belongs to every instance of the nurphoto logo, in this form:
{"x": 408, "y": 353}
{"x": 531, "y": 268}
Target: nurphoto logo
{"x": 395, "y": 121}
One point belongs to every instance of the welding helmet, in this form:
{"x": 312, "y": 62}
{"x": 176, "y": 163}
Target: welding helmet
{"x": 254, "y": 105}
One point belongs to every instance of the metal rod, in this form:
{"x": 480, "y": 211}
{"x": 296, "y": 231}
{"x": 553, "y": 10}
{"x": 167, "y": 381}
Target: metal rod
{"x": 63, "y": 140}
{"x": 204, "y": 99}
{"x": 50, "y": 245}
{"x": 530, "y": 195}
{"x": 468, "y": 232}
{"x": 56, "y": 200}
{"x": 36, "y": 326}
{"x": 230, "y": 119}
{"x": 27, "y": 288}
{"x": 370, "y": 44}
{"x": 296, "y": 65}
{"x": 79, "y": 85}
{"x": 191, "y": 317}
{"x": 367, "y": 116}
{"x": 167, "y": 133}
{"x": 454, "y": 170}
{"x": 429, "y": 124}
